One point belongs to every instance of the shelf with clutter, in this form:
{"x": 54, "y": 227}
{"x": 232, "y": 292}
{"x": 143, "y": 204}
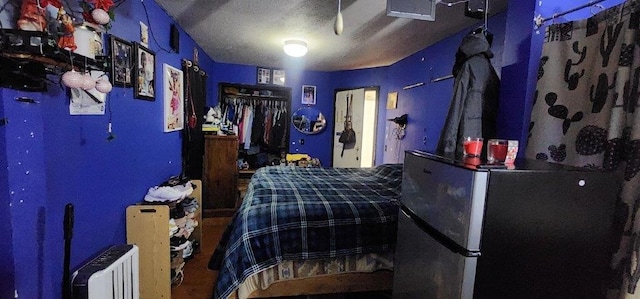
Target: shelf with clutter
{"x": 49, "y": 39}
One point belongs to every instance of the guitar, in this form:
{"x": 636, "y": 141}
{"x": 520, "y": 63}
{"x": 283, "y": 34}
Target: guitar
{"x": 348, "y": 136}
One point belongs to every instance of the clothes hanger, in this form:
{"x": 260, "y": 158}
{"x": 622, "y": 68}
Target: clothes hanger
{"x": 484, "y": 31}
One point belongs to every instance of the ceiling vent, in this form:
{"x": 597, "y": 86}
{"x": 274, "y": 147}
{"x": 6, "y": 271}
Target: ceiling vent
{"x": 412, "y": 9}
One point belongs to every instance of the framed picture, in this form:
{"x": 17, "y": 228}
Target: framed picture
{"x": 392, "y": 100}
{"x": 145, "y": 73}
{"x": 308, "y": 95}
{"x": 173, "y": 81}
{"x": 278, "y": 77}
{"x": 264, "y": 75}
{"x": 121, "y": 62}
{"x": 144, "y": 34}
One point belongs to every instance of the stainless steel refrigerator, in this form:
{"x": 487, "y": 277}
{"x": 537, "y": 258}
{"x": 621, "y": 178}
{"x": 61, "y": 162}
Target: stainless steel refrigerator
{"x": 539, "y": 230}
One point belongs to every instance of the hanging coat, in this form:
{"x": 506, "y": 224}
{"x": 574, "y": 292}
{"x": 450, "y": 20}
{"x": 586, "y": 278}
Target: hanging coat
{"x": 474, "y": 105}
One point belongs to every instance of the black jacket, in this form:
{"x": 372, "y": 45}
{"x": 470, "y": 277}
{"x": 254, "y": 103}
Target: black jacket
{"x": 474, "y": 106}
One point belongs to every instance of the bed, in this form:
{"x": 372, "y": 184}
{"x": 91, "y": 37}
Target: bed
{"x": 296, "y": 219}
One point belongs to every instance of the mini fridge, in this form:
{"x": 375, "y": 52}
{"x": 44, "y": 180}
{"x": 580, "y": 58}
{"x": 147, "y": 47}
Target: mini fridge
{"x": 536, "y": 230}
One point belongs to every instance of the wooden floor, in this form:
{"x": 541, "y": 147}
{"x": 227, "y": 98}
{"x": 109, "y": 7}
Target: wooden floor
{"x": 199, "y": 281}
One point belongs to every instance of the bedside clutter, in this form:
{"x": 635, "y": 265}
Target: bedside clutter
{"x": 302, "y": 160}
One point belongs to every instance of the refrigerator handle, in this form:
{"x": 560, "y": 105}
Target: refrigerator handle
{"x": 440, "y": 237}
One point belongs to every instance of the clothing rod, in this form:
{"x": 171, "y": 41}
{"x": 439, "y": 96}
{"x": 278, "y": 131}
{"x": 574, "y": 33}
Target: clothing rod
{"x": 539, "y": 20}
{"x": 441, "y": 78}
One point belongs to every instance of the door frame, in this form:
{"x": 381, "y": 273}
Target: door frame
{"x": 375, "y": 125}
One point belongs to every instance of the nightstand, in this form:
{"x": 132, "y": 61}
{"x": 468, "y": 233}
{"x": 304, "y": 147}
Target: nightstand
{"x": 244, "y": 177}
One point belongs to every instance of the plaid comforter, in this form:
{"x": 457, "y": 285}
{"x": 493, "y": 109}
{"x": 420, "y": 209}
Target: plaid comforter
{"x": 294, "y": 213}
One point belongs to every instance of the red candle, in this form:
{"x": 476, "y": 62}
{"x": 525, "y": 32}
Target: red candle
{"x": 499, "y": 151}
{"x": 472, "y": 146}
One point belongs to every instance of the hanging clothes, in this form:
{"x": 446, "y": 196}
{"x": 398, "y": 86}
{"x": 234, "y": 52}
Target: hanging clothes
{"x": 279, "y": 131}
{"x": 257, "y": 130}
{"x": 474, "y": 106}
{"x": 268, "y": 124}
{"x": 260, "y": 124}
{"x": 248, "y": 126}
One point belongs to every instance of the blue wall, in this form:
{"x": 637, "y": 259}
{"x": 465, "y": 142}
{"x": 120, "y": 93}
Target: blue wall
{"x": 55, "y": 158}
{"x": 49, "y": 158}
{"x": 426, "y": 105}
{"x": 7, "y": 275}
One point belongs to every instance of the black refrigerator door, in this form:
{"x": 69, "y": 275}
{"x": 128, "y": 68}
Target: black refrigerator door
{"x": 425, "y": 268}
{"x": 547, "y": 235}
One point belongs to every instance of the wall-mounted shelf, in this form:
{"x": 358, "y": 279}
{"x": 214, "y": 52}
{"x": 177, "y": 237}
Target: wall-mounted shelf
{"x": 42, "y": 47}
{"x": 27, "y": 56}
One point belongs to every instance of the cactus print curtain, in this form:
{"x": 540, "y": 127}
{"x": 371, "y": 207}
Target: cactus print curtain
{"x": 584, "y": 114}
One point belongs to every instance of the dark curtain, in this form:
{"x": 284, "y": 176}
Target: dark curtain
{"x": 192, "y": 138}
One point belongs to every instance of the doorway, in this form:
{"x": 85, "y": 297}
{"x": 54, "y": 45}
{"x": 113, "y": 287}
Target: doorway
{"x": 362, "y": 104}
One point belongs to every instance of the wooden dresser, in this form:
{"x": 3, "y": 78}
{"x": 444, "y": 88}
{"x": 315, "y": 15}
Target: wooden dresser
{"x": 220, "y": 175}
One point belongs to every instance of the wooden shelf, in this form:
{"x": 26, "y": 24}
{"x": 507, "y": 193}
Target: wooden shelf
{"x": 249, "y": 172}
{"x": 148, "y": 228}
{"x": 42, "y": 47}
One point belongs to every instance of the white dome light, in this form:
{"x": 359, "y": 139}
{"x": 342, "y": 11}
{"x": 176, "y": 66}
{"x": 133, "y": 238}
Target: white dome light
{"x": 295, "y": 48}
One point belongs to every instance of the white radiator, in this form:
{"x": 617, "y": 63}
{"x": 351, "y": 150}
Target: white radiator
{"x": 111, "y": 275}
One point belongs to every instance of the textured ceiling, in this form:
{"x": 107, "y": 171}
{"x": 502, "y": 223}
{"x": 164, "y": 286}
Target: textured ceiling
{"x": 252, "y": 32}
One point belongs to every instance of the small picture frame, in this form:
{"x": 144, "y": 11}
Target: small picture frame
{"x": 144, "y": 34}
{"x": 392, "y": 100}
{"x": 308, "y": 95}
{"x": 121, "y": 62}
{"x": 279, "y": 77}
{"x": 173, "y": 82}
{"x": 145, "y": 73}
{"x": 263, "y": 75}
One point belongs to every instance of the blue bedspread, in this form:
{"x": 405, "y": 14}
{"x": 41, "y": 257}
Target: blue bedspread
{"x": 293, "y": 213}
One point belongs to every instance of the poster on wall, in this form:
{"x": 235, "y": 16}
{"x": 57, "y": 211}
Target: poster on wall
{"x": 308, "y": 95}
{"x": 278, "y": 77}
{"x": 392, "y": 100}
{"x": 173, "y": 98}
{"x": 263, "y": 76}
{"x": 88, "y": 102}
{"x": 144, "y": 34}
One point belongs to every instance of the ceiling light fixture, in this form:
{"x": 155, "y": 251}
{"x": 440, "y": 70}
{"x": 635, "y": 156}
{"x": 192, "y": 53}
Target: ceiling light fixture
{"x": 295, "y": 48}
